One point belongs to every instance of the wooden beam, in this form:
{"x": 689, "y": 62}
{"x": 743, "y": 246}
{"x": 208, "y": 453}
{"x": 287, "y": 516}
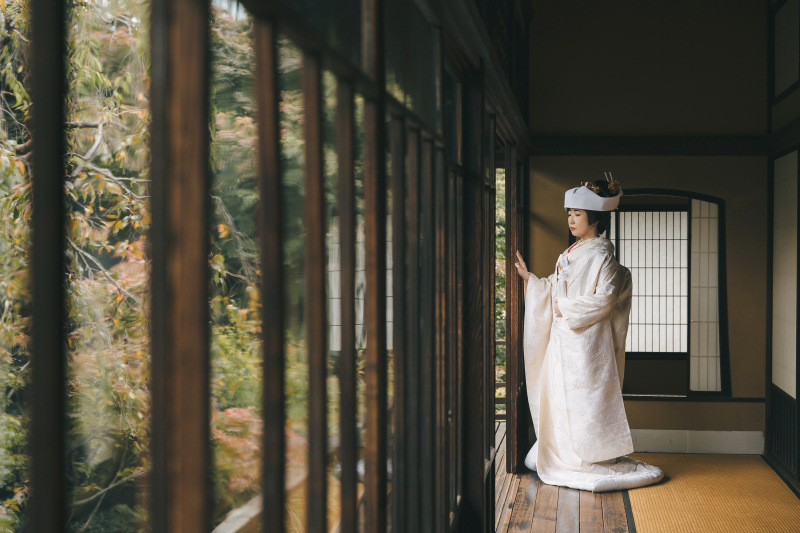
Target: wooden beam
{"x": 47, "y": 436}
{"x": 181, "y": 499}
{"x": 348, "y": 443}
{"x": 271, "y": 239}
{"x": 650, "y": 145}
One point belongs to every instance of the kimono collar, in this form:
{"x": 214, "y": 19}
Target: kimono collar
{"x": 594, "y": 245}
{"x": 577, "y": 260}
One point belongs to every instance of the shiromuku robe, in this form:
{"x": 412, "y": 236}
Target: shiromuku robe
{"x": 574, "y": 367}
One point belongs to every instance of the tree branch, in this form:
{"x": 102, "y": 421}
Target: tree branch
{"x": 111, "y": 177}
{"x": 103, "y": 270}
{"x": 89, "y": 124}
{"x": 99, "y": 493}
{"x": 91, "y": 151}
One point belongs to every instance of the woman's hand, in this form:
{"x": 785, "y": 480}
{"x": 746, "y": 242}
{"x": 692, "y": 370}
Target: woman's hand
{"x": 522, "y": 268}
{"x": 558, "y": 311}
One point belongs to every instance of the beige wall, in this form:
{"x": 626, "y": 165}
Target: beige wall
{"x": 740, "y": 181}
{"x": 649, "y": 68}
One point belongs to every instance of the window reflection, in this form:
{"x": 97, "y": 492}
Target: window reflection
{"x": 361, "y": 281}
{"x": 296, "y": 369}
{"x": 236, "y": 351}
{"x": 107, "y": 204}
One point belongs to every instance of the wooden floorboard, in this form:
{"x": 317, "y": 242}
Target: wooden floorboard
{"x": 523, "y": 504}
{"x": 614, "y": 520}
{"x": 522, "y": 513}
{"x": 569, "y": 514}
{"x": 508, "y": 507}
{"x": 526, "y": 505}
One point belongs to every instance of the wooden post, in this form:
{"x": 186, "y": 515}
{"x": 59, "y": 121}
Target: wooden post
{"x": 513, "y": 322}
{"x": 316, "y": 300}
{"x": 181, "y": 499}
{"x": 271, "y": 239}
{"x": 427, "y": 349}
{"x": 397, "y": 144}
{"x": 441, "y": 368}
{"x": 475, "y": 511}
{"x": 348, "y": 443}
{"x": 375, "y": 268}
{"x": 413, "y": 407}
{"x": 47, "y": 436}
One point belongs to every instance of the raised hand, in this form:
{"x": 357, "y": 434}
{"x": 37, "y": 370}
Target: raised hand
{"x": 522, "y": 268}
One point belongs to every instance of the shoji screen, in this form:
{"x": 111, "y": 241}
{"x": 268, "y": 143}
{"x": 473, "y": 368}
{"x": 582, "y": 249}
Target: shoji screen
{"x": 784, "y": 275}
{"x": 782, "y": 398}
{"x": 704, "y": 346}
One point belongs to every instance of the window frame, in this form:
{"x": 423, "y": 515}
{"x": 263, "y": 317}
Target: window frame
{"x": 724, "y": 346}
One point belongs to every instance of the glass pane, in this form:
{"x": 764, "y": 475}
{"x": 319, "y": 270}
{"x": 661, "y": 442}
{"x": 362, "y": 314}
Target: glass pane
{"x": 108, "y": 362}
{"x": 389, "y": 326}
{"x": 361, "y": 281}
{"x": 15, "y": 244}
{"x": 236, "y": 350}
{"x": 333, "y": 288}
{"x": 296, "y": 377}
{"x": 500, "y": 284}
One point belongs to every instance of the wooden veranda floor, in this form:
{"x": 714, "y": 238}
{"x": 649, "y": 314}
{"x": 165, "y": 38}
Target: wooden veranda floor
{"x": 525, "y": 504}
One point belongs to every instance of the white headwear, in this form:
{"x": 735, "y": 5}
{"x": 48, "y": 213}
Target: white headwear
{"x": 584, "y": 198}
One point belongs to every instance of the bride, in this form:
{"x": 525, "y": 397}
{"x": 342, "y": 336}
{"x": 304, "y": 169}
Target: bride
{"x": 576, "y": 321}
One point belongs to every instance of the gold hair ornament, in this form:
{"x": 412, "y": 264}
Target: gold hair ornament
{"x": 613, "y": 185}
{"x": 591, "y": 186}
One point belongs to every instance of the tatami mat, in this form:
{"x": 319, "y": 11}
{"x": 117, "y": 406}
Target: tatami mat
{"x": 714, "y": 493}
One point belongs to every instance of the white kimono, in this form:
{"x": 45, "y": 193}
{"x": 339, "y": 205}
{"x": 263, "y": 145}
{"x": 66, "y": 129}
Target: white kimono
{"x": 574, "y": 367}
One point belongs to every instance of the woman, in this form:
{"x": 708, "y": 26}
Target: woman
{"x": 576, "y": 322}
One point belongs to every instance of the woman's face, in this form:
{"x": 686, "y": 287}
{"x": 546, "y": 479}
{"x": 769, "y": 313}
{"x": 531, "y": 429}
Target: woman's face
{"x": 579, "y": 224}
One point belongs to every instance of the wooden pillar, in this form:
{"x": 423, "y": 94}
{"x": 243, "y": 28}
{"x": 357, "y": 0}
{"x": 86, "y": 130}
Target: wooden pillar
{"x": 47, "y": 436}
{"x": 427, "y": 367}
{"x": 375, "y": 268}
{"x": 413, "y": 456}
{"x": 474, "y": 512}
{"x": 514, "y": 361}
{"x": 271, "y": 239}
{"x": 348, "y": 444}
{"x": 397, "y": 146}
{"x": 316, "y": 299}
{"x": 441, "y": 367}
{"x": 181, "y": 499}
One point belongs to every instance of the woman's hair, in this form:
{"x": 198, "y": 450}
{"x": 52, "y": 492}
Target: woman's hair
{"x": 603, "y": 217}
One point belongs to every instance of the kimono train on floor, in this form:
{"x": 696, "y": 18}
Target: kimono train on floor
{"x": 574, "y": 368}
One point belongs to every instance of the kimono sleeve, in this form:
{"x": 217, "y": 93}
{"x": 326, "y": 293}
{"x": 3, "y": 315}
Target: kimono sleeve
{"x": 583, "y": 311}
